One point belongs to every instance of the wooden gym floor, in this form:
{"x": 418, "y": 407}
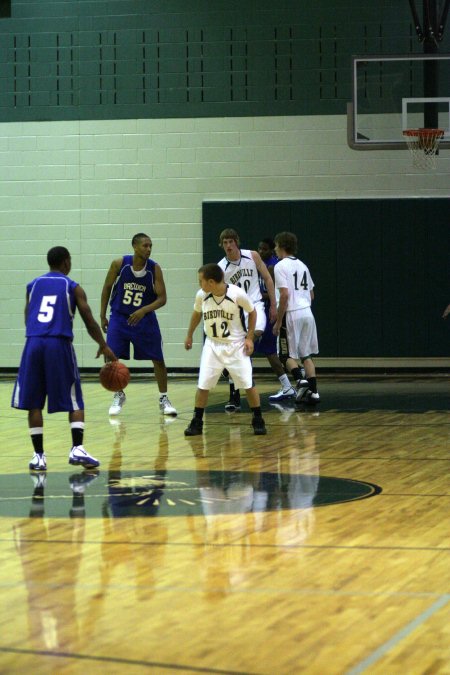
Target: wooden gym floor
{"x": 322, "y": 547}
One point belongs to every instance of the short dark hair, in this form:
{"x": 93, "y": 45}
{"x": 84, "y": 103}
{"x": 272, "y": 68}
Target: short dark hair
{"x": 287, "y": 241}
{"x": 138, "y": 237}
{"x": 57, "y": 255}
{"x": 229, "y": 233}
{"x": 211, "y": 271}
{"x": 269, "y": 241}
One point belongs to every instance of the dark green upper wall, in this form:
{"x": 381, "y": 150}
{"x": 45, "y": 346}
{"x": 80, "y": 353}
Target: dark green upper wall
{"x": 95, "y": 59}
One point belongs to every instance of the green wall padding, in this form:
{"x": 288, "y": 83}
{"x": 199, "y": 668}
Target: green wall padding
{"x": 381, "y": 267}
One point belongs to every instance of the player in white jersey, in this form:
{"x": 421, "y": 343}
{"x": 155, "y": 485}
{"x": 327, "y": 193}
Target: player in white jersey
{"x": 244, "y": 268}
{"x": 295, "y": 322}
{"x": 228, "y": 343}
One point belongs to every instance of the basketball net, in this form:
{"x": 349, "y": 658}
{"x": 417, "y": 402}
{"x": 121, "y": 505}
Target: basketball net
{"x": 423, "y": 145}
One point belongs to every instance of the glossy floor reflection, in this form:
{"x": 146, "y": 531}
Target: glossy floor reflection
{"x": 322, "y": 547}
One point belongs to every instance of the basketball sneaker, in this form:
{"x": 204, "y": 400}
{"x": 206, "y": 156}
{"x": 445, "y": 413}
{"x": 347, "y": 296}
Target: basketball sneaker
{"x": 311, "y": 398}
{"x": 166, "y": 407}
{"x": 118, "y": 403}
{"x": 38, "y": 463}
{"x": 195, "y": 428}
{"x": 282, "y": 394}
{"x": 80, "y": 457}
{"x": 234, "y": 404}
{"x": 259, "y": 426}
{"x": 79, "y": 481}
{"x": 39, "y": 480}
{"x": 301, "y": 389}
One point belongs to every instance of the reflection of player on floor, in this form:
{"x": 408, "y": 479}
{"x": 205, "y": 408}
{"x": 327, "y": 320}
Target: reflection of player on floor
{"x": 244, "y": 268}
{"x": 227, "y": 344}
{"x": 446, "y": 312}
{"x": 135, "y": 288}
{"x": 51, "y": 302}
{"x": 295, "y": 321}
{"x": 267, "y": 343}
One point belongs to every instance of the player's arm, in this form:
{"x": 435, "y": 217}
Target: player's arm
{"x": 161, "y": 299}
{"x": 106, "y": 290}
{"x": 265, "y": 274}
{"x": 195, "y": 320}
{"x": 27, "y": 303}
{"x": 249, "y": 345}
{"x": 92, "y": 326}
{"x": 248, "y": 307}
{"x": 281, "y": 311}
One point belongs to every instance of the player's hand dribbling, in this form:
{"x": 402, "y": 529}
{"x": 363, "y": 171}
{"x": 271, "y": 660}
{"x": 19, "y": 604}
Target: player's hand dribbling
{"x": 107, "y": 353}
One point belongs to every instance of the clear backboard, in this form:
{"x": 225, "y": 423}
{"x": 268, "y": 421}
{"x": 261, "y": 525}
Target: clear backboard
{"x": 394, "y": 93}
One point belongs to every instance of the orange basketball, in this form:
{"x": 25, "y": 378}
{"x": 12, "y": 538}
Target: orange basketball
{"x": 114, "y": 376}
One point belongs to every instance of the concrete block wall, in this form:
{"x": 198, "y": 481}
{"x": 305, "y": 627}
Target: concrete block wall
{"x": 91, "y": 185}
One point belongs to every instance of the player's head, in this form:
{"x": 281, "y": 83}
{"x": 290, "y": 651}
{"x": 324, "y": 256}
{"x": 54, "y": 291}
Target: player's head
{"x": 58, "y": 258}
{"x": 211, "y": 271}
{"x": 266, "y": 248}
{"x": 138, "y": 237}
{"x": 287, "y": 241}
{"x": 142, "y": 245}
{"x": 229, "y": 233}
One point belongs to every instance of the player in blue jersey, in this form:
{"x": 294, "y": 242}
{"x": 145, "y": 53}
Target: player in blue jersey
{"x": 135, "y": 289}
{"x": 267, "y": 343}
{"x": 48, "y": 368}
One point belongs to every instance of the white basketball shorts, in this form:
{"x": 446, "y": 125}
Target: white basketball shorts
{"x": 301, "y": 333}
{"x": 219, "y": 355}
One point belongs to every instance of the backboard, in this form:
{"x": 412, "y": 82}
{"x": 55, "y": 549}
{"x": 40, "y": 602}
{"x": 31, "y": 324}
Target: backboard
{"x": 397, "y": 92}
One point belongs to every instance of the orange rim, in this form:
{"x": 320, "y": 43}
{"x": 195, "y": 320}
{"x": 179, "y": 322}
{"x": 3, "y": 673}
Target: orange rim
{"x": 424, "y": 133}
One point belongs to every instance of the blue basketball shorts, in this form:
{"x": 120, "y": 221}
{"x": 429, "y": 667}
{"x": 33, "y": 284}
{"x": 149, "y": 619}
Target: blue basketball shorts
{"x": 48, "y": 370}
{"x": 145, "y": 337}
{"x": 268, "y": 342}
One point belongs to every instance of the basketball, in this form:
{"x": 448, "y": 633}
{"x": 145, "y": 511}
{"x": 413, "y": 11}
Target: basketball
{"x": 114, "y": 376}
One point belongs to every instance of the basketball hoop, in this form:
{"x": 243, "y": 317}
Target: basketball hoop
{"x": 423, "y": 144}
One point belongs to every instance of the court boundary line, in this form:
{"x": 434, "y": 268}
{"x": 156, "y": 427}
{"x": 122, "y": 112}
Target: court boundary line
{"x": 400, "y": 635}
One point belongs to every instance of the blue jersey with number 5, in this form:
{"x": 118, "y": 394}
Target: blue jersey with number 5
{"x": 133, "y": 288}
{"x": 51, "y": 306}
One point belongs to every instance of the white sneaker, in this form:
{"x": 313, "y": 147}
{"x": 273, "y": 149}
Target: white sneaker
{"x": 38, "y": 463}
{"x": 80, "y": 457}
{"x": 166, "y": 407}
{"x": 118, "y": 403}
{"x": 301, "y": 389}
{"x": 282, "y": 394}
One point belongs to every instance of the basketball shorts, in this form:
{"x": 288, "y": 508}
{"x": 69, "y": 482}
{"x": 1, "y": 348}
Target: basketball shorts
{"x": 301, "y": 334}
{"x": 145, "y": 337}
{"x": 219, "y": 355}
{"x": 267, "y": 343}
{"x": 48, "y": 370}
{"x": 261, "y": 319}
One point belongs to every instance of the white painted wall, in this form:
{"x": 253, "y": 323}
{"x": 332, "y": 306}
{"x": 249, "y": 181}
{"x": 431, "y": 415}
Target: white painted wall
{"x": 91, "y": 185}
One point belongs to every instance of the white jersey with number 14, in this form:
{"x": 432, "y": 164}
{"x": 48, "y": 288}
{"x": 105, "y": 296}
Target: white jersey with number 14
{"x": 292, "y": 273}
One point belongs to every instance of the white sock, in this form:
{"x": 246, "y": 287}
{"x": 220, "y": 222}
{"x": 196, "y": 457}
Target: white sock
{"x": 284, "y": 381}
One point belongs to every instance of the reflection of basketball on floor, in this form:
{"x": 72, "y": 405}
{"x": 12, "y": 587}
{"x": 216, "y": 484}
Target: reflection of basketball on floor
{"x": 114, "y": 376}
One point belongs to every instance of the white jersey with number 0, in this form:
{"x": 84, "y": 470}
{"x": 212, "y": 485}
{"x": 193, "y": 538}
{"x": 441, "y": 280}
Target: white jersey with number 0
{"x": 243, "y": 273}
{"x": 292, "y": 273}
